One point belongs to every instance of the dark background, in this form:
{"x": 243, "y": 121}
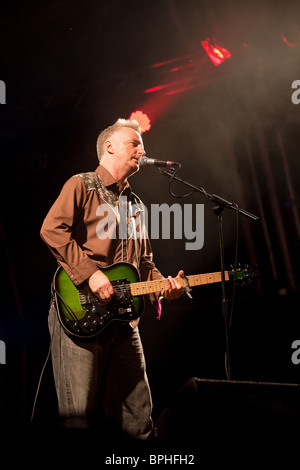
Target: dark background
{"x": 73, "y": 68}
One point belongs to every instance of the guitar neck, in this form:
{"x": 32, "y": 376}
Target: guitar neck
{"x": 159, "y": 285}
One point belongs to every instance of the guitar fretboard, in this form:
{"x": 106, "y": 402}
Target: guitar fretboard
{"x": 150, "y": 287}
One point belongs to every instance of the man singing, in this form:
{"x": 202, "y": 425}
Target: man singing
{"x": 105, "y": 376}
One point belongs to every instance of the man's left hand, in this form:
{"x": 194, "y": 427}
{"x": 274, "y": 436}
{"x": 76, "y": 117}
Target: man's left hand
{"x": 174, "y": 289}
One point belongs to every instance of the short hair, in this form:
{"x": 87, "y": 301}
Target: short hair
{"x": 107, "y": 133}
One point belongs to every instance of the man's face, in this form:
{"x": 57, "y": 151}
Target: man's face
{"x": 128, "y": 147}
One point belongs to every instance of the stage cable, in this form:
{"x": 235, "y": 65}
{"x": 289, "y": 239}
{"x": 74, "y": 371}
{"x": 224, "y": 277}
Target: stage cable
{"x": 235, "y": 267}
{"x": 41, "y": 375}
{"x": 39, "y": 384}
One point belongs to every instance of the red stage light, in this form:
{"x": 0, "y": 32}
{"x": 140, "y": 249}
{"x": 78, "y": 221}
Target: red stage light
{"x": 142, "y": 119}
{"x": 156, "y": 88}
{"x": 291, "y": 35}
{"x": 215, "y": 52}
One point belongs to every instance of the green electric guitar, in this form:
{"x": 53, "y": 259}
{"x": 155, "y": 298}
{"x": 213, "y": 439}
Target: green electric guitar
{"x": 82, "y": 314}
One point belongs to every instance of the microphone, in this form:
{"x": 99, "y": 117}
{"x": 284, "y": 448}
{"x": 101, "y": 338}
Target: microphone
{"x": 152, "y": 161}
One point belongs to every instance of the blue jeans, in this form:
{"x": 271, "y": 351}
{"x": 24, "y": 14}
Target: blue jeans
{"x": 106, "y": 374}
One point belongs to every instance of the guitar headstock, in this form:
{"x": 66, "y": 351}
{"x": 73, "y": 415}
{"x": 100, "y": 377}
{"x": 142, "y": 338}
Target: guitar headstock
{"x": 244, "y": 275}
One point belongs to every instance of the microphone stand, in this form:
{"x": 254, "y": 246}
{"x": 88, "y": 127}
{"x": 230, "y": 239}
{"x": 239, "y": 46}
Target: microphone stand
{"x": 220, "y": 204}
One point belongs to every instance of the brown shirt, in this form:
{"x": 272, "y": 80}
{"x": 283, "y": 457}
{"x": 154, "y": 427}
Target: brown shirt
{"x": 83, "y": 228}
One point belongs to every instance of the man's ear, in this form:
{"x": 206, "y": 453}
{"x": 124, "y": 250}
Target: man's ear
{"x": 109, "y": 147}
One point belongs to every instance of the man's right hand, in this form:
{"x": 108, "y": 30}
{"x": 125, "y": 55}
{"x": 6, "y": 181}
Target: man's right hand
{"x": 101, "y": 286}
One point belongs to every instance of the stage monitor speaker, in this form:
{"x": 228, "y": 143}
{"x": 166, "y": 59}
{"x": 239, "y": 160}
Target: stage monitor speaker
{"x": 220, "y": 408}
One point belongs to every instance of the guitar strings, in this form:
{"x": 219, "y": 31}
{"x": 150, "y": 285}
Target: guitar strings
{"x": 140, "y": 286}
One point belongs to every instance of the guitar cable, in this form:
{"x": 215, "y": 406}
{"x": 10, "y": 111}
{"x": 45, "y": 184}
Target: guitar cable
{"x": 39, "y": 384}
{"x": 227, "y": 358}
{"x": 53, "y": 292}
{"x": 69, "y": 310}
{"x": 42, "y": 371}
{"x": 235, "y": 266}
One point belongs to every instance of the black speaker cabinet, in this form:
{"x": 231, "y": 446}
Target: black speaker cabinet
{"x": 226, "y": 410}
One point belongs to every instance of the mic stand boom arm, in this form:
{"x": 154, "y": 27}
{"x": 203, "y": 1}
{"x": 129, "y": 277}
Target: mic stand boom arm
{"x": 212, "y": 197}
{"x": 218, "y": 210}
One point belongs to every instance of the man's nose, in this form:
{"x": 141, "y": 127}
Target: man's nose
{"x": 141, "y": 151}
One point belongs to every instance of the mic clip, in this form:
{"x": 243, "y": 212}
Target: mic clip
{"x": 168, "y": 171}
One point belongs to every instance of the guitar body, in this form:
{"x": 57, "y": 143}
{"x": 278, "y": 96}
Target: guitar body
{"x": 82, "y": 314}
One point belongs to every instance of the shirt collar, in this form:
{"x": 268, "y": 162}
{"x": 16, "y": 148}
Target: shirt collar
{"x": 109, "y": 181}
